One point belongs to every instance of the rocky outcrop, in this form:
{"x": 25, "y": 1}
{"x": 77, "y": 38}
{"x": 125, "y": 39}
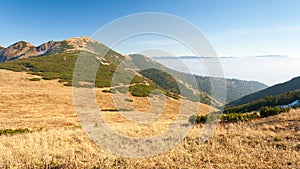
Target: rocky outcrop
{"x": 43, "y": 48}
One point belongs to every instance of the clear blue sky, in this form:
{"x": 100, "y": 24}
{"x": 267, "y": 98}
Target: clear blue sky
{"x": 235, "y": 27}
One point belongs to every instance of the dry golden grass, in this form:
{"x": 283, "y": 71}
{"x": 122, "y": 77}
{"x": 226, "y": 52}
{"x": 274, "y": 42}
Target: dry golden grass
{"x": 59, "y": 142}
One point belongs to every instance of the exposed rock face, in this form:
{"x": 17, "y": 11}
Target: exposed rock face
{"x": 45, "y": 47}
{"x": 23, "y": 49}
{"x": 16, "y": 51}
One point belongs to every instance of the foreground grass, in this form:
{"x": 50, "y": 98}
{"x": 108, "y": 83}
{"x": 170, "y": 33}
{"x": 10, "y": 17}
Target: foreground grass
{"x": 57, "y": 141}
{"x": 267, "y": 143}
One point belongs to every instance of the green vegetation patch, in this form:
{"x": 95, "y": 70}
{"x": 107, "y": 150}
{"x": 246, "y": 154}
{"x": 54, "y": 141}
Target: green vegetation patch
{"x": 35, "y": 79}
{"x": 272, "y": 111}
{"x": 271, "y": 101}
{"x": 61, "y": 67}
{"x": 141, "y": 90}
{"x": 128, "y": 100}
{"x": 237, "y": 117}
{"x": 14, "y": 131}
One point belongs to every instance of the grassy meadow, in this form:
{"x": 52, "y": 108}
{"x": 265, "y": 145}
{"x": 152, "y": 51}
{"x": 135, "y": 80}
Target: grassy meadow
{"x": 44, "y": 132}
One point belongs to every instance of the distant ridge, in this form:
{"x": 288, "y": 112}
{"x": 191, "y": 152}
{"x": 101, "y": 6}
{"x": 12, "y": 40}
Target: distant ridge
{"x": 186, "y": 57}
{"x": 210, "y": 57}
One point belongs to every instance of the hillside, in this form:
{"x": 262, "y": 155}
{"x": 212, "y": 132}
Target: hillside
{"x": 56, "y": 140}
{"x": 278, "y": 89}
{"x": 56, "y": 60}
{"x": 277, "y": 95}
{"x": 234, "y": 88}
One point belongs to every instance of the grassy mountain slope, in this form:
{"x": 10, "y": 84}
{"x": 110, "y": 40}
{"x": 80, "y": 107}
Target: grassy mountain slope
{"x": 235, "y": 88}
{"x": 271, "y": 101}
{"x": 281, "y": 88}
{"x": 54, "y": 60}
{"x": 61, "y": 66}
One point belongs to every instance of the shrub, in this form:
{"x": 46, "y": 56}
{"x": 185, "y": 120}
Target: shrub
{"x": 197, "y": 119}
{"x": 225, "y": 118}
{"x": 210, "y": 118}
{"x": 235, "y": 117}
{"x": 267, "y": 111}
{"x": 128, "y": 100}
{"x": 141, "y": 90}
{"x": 14, "y": 131}
{"x": 35, "y": 79}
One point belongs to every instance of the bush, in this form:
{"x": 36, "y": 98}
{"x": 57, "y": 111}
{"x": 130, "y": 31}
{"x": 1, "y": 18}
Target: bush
{"x": 225, "y": 118}
{"x": 210, "y": 118}
{"x": 13, "y": 131}
{"x": 141, "y": 90}
{"x": 197, "y": 119}
{"x": 271, "y": 111}
{"x": 35, "y": 79}
{"x": 128, "y": 100}
{"x": 235, "y": 117}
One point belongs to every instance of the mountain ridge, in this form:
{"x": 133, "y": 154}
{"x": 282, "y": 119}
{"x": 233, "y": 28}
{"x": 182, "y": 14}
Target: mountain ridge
{"x": 22, "y": 49}
{"x": 26, "y": 57}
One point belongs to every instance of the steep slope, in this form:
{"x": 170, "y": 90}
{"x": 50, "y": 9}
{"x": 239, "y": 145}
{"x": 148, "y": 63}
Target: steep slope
{"x": 281, "y": 88}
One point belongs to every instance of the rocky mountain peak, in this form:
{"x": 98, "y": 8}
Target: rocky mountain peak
{"x": 15, "y": 51}
{"x": 21, "y": 45}
{"x": 24, "y": 49}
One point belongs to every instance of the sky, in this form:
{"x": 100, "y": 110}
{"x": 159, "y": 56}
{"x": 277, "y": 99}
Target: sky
{"x": 234, "y": 27}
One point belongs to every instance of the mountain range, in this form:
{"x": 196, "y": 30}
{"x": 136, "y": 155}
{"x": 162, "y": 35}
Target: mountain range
{"x": 22, "y": 49}
{"x": 56, "y": 60}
